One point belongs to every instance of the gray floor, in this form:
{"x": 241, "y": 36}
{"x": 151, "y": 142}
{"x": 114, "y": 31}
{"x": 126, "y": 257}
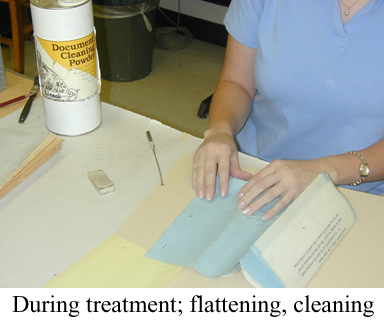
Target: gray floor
{"x": 171, "y": 93}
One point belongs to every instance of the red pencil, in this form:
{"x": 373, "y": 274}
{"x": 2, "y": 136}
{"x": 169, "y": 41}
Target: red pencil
{"x": 6, "y": 103}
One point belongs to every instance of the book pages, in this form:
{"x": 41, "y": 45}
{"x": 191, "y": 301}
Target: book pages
{"x": 298, "y": 243}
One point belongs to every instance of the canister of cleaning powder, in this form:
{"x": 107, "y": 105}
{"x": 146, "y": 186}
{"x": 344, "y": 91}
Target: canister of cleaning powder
{"x": 68, "y": 66}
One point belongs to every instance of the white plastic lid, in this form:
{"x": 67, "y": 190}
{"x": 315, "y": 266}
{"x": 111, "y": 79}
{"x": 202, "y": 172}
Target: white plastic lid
{"x": 57, "y": 4}
{"x": 71, "y": 3}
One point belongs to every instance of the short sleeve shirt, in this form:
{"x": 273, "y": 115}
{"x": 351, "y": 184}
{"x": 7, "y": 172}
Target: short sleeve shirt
{"x": 320, "y": 83}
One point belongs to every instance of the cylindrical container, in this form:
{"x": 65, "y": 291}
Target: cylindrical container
{"x": 125, "y": 32}
{"x": 68, "y": 65}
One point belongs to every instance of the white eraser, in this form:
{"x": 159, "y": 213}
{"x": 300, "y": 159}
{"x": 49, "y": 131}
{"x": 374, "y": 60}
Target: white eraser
{"x": 101, "y": 181}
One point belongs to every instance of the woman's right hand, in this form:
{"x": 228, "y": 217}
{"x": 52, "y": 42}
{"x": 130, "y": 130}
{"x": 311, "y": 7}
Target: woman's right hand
{"x": 216, "y": 155}
{"x": 229, "y": 109}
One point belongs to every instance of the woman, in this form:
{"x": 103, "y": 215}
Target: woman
{"x": 302, "y": 85}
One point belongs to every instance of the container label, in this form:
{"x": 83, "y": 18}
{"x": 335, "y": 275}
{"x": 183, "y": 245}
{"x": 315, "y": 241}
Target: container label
{"x": 68, "y": 69}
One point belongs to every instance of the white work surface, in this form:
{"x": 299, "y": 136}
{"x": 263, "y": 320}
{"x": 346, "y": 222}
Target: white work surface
{"x": 56, "y": 217}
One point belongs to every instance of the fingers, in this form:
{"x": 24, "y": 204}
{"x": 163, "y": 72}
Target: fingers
{"x": 257, "y": 184}
{"x": 237, "y": 172}
{"x": 269, "y": 183}
{"x": 208, "y": 177}
{"x": 208, "y": 162}
{"x": 230, "y": 166}
{"x": 198, "y": 175}
{"x": 224, "y": 173}
{"x": 279, "y": 206}
{"x": 284, "y": 179}
{"x": 267, "y": 197}
{"x": 253, "y": 189}
{"x": 212, "y": 159}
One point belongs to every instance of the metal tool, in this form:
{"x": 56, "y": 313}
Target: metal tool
{"x": 27, "y": 107}
{"x": 152, "y": 146}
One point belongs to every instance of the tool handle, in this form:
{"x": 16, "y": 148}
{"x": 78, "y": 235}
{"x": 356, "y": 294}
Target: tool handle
{"x": 6, "y": 103}
{"x": 26, "y": 109}
{"x": 150, "y": 140}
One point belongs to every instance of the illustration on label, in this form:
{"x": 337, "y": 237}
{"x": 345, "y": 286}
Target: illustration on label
{"x": 67, "y": 69}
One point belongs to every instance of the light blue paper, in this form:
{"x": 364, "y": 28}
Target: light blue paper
{"x": 260, "y": 271}
{"x": 212, "y": 236}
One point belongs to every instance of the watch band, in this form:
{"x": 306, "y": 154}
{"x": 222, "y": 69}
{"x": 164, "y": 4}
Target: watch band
{"x": 363, "y": 169}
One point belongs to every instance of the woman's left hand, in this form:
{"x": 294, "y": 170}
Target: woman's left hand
{"x": 285, "y": 178}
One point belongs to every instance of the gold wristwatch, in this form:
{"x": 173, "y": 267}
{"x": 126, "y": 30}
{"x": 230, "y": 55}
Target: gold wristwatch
{"x": 363, "y": 169}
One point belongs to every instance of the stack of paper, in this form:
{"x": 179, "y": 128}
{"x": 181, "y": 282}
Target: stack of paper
{"x": 21, "y": 154}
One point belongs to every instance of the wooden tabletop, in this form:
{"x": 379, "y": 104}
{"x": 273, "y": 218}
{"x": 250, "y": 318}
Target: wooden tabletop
{"x": 17, "y": 85}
